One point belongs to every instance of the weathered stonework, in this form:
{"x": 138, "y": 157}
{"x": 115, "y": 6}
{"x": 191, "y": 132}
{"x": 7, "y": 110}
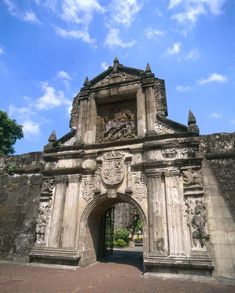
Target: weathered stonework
{"x": 122, "y": 149}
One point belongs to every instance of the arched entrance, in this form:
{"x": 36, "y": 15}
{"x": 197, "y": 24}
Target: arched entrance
{"x": 93, "y": 227}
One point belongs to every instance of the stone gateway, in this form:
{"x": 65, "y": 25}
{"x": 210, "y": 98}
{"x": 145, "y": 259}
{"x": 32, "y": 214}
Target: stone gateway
{"x": 122, "y": 148}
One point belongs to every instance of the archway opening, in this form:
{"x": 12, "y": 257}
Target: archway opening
{"x": 114, "y": 232}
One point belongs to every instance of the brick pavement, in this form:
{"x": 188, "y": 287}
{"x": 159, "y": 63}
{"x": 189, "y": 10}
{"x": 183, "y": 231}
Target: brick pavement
{"x": 118, "y": 274}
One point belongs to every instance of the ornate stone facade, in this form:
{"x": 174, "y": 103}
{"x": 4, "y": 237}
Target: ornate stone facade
{"x": 123, "y": 148}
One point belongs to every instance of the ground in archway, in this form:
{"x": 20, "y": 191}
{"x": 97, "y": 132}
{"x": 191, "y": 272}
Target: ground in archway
{"x": 119, "y": 273}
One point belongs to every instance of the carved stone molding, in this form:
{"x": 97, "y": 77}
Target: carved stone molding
{"x": 139, "y": 185}
{"x": 74, "y": 178}
{"x": 88, "y": 187}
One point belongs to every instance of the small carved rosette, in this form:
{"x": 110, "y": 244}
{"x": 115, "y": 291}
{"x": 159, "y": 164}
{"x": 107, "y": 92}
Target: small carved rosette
{"x": 44, "y": 210}
{"x": 197, "y": 218}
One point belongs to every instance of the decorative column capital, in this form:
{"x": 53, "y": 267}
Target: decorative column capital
{"x": 61, "y": 179}
{"x": 172, "y": 173}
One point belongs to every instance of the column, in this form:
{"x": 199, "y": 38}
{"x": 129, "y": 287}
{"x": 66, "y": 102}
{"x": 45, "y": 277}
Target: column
{"x": 175, "y": 212}
{"x": 158, "y": 238}
{"x": 91, "y": 119}
{"x": 82, "y": 121}
{"x": 70, "y": 217}
{"x": 58, "y": 209}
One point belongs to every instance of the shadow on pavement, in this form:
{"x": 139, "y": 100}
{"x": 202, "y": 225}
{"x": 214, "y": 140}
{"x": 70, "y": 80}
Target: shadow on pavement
{"x": 127, "y": 256}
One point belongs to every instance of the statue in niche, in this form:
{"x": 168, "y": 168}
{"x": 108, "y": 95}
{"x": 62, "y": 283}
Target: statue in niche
{"x": 198, "y": 222}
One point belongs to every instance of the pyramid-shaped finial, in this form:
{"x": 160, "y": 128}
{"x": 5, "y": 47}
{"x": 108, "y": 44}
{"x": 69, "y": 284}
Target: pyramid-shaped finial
{"x": 192, "y": 124}
{"x": 148, "y": 68}
{"x": 52, "y": 137}
{"x": 86, "y": 82}
{"x": 191, "y": 118}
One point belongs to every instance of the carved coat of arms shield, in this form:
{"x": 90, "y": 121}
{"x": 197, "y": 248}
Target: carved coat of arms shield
{"x": 113, "y": 170}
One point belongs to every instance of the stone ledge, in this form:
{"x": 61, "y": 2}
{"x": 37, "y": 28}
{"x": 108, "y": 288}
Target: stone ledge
{"x": 51, "y": 255}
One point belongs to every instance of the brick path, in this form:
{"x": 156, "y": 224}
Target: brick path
{"x": 123, "y": 275}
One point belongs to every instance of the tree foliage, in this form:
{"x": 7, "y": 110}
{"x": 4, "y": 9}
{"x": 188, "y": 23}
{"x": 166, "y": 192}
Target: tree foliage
{"x": 10, "y": 131}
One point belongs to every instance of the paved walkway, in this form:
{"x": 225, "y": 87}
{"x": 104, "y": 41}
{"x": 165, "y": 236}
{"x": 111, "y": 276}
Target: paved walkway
{"x": 118, "y": 274}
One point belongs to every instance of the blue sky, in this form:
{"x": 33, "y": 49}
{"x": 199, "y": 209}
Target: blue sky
{"x": 48, "y": 47}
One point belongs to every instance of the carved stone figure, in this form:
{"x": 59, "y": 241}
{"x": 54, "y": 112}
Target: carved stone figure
{"x": 197, "y": 221}
{"x": 88, "y": 186}
{"x": 192, "y": 178}
{"x": 42, "y": 221}
{"x": 113, "y": 170}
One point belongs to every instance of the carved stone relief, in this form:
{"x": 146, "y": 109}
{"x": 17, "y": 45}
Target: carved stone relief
{"x": 113, "y": 168}
{"x": 42, "y": 221}
{"x": 116, "y": 121}
{"x": 197, "y": 218}
{"x": 71, "y": 141}
{"x": 192, "y": 178}
{"x": 123, "y": 76}
{"x": 139, "y": 185}
{"x": 162, "y": 128}
{"x": 74, "y": 113}
{"x": 88, "y": 187}
{"x": 169, "y": 153}
{"x": 44, "y": 210}
{"x": 182, "y": 153}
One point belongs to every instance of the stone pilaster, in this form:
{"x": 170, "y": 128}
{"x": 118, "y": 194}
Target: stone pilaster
{"x": 82, "y": 120}
{"x": 158, "y": 239}
{"x": 141, "y": 119}
{"x": 175, "y": 213}
{"x": 90, "y": 134}
{"x": 150, "y": 109}
{"x": 70, "y": 212}
{"x": 58, "y": 209}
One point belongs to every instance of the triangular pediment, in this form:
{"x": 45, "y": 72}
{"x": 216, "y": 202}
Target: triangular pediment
{"x": 116, "y": 74}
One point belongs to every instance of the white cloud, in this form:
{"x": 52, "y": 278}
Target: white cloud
{"x": 192, "y": 54}
{"x": 151, "y": 33}
{"x": 31, "y": 128}
{"x": 214, "y": 77}
{"x": 75, "y": 34}
{"x": 190, "y": 10}
{"x": 51, "y": 98}
{"x": 216, "y": 115}
{"x": 175, "y": 49}
{"x": 80, "y": 11}
{"x": 182, "y": 88}
{"x": 125, "y": 11}
{"x": 113, "y": 39}
{"x": 63, "y": 75}
{"x": 1, "y": 50}
{"x": 104, "y": 65}
{"x": 28, "y": 16}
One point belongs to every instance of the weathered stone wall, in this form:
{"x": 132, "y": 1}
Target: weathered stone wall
{"x": 20, "y": 181}
{"x": 219, "y": 150}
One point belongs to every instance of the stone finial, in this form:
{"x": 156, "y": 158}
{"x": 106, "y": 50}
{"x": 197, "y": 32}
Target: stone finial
{"x": 148, "y": 68}
{"x": 52, "y": 137}
{"x": 116, "y": 60}
{"x": 86, "y": 82}
{"x": 192, "y": 123}
{"x": 115, "y": 65}
{"x": 191, "y": 118}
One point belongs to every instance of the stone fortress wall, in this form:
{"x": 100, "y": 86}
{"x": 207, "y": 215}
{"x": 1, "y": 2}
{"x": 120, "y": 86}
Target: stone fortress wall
{"x": 21, "y": 179}
{"x": 20, "y": 183}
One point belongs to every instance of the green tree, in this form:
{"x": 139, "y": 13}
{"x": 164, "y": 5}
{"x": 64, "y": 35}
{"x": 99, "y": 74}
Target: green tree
{"x": 10, "y": 131}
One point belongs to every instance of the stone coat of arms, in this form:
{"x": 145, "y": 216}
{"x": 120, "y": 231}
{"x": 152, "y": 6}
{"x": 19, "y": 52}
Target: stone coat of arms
{"x": 113, "y": 169}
